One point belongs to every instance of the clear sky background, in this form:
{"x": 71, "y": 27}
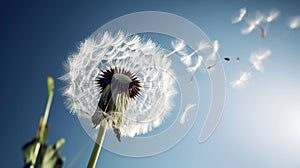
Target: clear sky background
{"x": 261, "y": 123}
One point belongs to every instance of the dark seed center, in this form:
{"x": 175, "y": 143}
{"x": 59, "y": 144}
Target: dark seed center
{"x": 120, "y": 80}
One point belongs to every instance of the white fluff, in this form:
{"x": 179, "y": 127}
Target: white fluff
{"x": 257, "y": 58}
{"x": 185, "y": 114}
{"x": 144, "y": 59}
{"x": 242, "y": 81}
{"x": 240, "y": 16}
{"x": 294, "y": 22}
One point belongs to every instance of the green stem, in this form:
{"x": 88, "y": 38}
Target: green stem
{"x": 97, "y": 145}
{"x": 50, "y": 82}
{"x": 41, "y": 134}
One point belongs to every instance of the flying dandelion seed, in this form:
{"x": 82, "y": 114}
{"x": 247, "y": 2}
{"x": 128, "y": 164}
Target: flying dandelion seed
{"x": 226, "y": 59}
{"x": 294, "y": 22}
{"x": 242, "y": 81}
{"x": 240, "y": 16}
{"x": 186, "y": 59}
{"x": 215, "y": 49}
{"x": 178, "y": 45}
{"x": 253, "y": 22}
{"x": 273, "y": 14}
{"x": 203, "y": 45}
{"x": 192, "y": 69}
{"x": 213, "y": 65}
{"x": 260, "y": 21}
{"x": 124, "y": 70}
{"x": 184, "y": 116}
{"x": 257, "y": 58}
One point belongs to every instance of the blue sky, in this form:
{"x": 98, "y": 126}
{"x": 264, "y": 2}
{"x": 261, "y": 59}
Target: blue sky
{"x": 259, "y": 127}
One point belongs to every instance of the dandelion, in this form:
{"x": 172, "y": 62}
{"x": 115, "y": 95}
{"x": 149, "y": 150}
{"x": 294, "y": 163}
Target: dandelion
{"x": 294, "y": 22}
{"x": 131, "y": 85}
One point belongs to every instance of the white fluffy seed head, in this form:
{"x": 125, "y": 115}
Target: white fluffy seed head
{"x": 142, "y": 58}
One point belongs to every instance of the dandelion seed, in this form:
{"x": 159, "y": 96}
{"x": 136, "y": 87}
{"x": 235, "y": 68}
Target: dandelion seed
{"x": 294, "y": 22}
{"x": 274, "y": 13}
{"x": 215, "y": 64}
{"x": 203, "y": 45}
{"x": 196, "y": 66}
{"x": 253, "y": 22}
{"x": 215, "y": 49}
{"x": 192, "y": 78}
{"x": 240, "y": 16}
{"x": 263, "y": 33}
{"x": 257, "y": 58}
{"x": 226, "y": 59}
{"x": 242, "y": 81}
{"x": 186, "y": 59}
{"x": 184, "y": 116}
{"x": 210, "y": 66}
{"x": 178, "y": 46}
{"x": 260, "y": 21}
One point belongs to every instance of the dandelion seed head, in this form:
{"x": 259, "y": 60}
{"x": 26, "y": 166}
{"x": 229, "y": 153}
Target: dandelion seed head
{"x": 134, "y": 61}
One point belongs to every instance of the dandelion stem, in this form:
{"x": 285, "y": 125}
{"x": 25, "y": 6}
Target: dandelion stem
{"x": 97, "y": 145}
